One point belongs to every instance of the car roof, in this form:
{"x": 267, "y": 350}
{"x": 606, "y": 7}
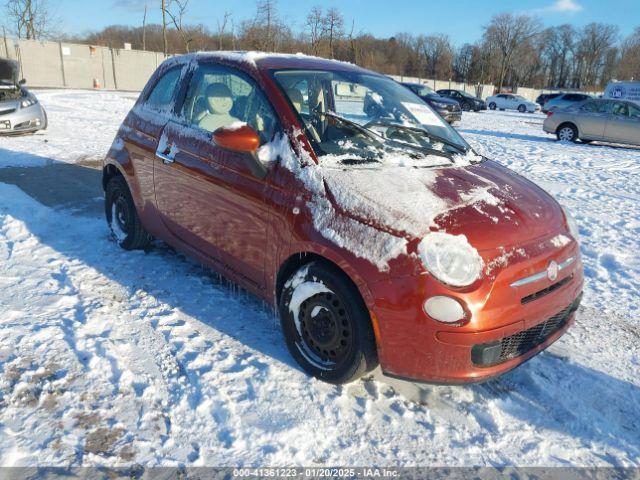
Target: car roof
{"x": 413, "y": 84}
{"x": 271, "y": 61}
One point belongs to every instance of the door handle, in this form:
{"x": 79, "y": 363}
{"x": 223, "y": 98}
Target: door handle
{"x": 168, "y": 155}
{"x": 166, "y": 159}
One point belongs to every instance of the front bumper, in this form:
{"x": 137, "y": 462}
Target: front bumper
{"x": 451, "y": 116}
{"x": 23, "y": 120}
{"x": 416, "y": 347}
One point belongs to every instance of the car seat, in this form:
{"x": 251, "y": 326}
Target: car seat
{"x": 219, "y": 105}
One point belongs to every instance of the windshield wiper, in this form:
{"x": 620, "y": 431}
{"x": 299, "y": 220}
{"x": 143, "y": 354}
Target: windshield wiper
{"x": 355, "y": 126}
{"x": 423, "y": 131}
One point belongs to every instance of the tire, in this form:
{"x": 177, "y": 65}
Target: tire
{"x": 330, "y": 334}
{"x": 465, "y": 107}
{"x": 492, "y": 106}
{"x": 122, "y": 217}
{"x": 522, "y": 108}
{"x": 567, "y": 132}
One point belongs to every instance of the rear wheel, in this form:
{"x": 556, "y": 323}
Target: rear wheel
{"x": 492, "y": 106}
{"x": 567, "y": 132}
{"x": 326, "y": 325}
{"x": 522, "y": 108}
{"x": 122, "y": 217}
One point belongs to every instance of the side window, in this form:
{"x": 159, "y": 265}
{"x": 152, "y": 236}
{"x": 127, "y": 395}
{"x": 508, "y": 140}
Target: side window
{"x": 220, "y": 97}
{"x": 634, "y": 112}
{"x": 594, "y": 106}
{"x": 162, "y": 95}
{"x": 620, "y": 109}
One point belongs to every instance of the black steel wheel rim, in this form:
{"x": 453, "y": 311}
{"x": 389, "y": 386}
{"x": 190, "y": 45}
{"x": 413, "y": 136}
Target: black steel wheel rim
{"x": 121, "y": 213}
{"x": 326, "y": 331}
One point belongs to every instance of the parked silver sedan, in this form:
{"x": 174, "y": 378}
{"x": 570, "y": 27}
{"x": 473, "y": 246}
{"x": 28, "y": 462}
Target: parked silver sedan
{"x": 20, "y": 111}
{"x": 613, "y": 121}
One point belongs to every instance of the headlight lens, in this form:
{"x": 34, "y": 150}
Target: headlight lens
{"x": 27, "y": 102}
{"x": 572, "y": 224}
{"x": 439, "y": 104}
{"x": 450, "y": 258}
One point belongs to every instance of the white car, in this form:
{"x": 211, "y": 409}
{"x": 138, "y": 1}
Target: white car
{"x": 509, "y": 101}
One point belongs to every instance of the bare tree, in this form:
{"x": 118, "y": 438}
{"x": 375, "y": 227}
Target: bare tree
{"x": 176, "y": 10}
{"x": 315, "y": 28}
{"x": 629, "y": 66}
{"x": 593, "y": 47}
{"x": 144, "y": 28}
{"x": 164, "y": 26}
{"x": 31, "y": 19}
{"x": 438, "y": 55}
{"x": 333, "y": 28}
{"x": 221, "y": 28}
{"x": 505, "y": 34}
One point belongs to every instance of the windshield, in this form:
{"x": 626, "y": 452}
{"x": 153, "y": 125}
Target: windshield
{"x": 347, "y": 112}
{"x": 424, "y": 90}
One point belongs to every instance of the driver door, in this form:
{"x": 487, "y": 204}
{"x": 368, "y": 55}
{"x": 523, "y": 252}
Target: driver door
{"x": 207, "y": 195}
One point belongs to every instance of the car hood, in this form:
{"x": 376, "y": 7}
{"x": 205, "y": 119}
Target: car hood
{"x": 441, "y": 99}
{"x": 489, "y": 204}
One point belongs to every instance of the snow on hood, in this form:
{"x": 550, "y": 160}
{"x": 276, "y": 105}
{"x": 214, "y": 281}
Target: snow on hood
{"x": 375, "y": 210}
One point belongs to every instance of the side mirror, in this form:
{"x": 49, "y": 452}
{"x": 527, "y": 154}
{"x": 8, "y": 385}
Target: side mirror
{"x": 242, "y": 139}
{"x": 22, "y": 82}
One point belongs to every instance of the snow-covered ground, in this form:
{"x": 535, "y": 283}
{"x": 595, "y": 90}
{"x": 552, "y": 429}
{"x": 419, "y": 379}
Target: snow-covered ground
{"x": 112, "y": 358}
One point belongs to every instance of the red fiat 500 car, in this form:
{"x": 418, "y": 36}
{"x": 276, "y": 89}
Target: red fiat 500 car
{"x": 340, "y": 196}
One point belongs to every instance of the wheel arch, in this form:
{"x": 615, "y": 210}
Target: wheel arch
{"x": 109, "y": 171}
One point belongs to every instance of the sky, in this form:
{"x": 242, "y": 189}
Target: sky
{"x": 462, "y": 20}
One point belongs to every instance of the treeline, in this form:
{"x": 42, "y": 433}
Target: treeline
{"x": 514, "y": 49}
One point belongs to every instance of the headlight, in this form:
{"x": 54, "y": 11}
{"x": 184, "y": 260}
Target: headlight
{"x": 439, "y": 105}
{"x": 572, "y": 224}
{"x": 450, "y": 258}
{"x": 27, "y": 102}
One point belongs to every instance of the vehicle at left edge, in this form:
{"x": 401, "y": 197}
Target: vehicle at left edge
{"x": 20, "y": 110}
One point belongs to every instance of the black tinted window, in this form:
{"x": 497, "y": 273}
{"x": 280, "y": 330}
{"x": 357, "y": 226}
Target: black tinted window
{"x": 162, "y": 95}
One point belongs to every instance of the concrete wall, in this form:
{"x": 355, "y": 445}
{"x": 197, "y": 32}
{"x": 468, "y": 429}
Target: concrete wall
{"x": 68, "y": 65}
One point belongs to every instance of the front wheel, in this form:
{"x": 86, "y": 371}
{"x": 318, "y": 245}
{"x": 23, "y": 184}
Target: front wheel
{"x": 122, "y": 217}
{"x": 466, "y": 107}
{"x": 326, "y": 325}
{"x": 567, "y": 132}
{"x": 492, "y": 106}
{"x": 522, "y": 108}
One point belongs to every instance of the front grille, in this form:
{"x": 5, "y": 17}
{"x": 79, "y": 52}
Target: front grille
{"x": 546, "y": 291}
{"x": 7, "y": 112}
{"x": 494, "y": 353}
